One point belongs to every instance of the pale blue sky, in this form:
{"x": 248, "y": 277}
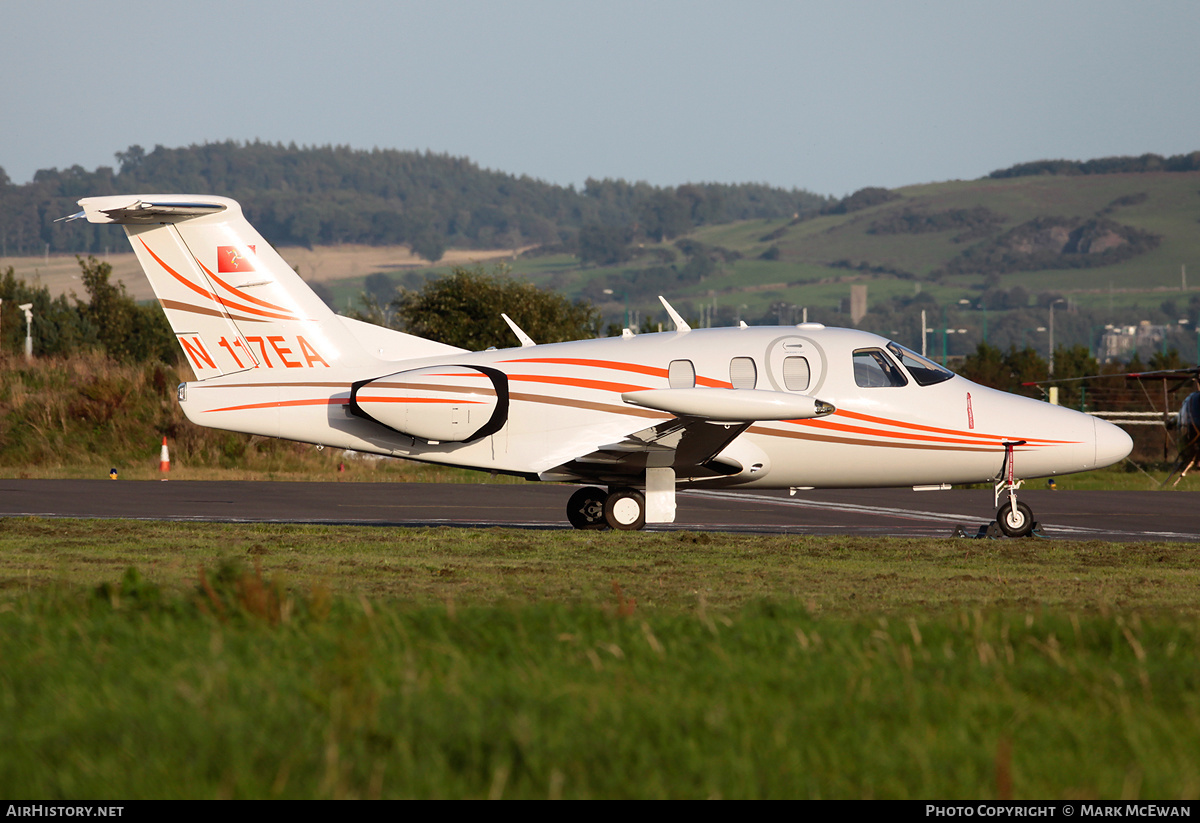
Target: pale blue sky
{"x": 827, "y": 96}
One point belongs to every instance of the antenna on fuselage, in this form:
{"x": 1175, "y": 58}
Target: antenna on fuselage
{"x": 680, "y": 324}
{"x": 525, "y": 339}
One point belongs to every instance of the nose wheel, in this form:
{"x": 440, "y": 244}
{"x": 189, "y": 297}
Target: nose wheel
{"x": 1014, "y": 518}
{"x": 594, "y": 508}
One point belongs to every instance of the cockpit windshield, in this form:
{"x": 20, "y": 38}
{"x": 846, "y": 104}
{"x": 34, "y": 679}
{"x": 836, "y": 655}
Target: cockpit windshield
{"x": 923, "y": 370}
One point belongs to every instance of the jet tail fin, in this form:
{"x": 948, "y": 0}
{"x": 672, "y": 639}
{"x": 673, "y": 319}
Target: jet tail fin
{"x": 234, "y": 304}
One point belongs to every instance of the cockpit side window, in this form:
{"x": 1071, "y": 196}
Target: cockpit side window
{"x": 923, "y": 370}
{"x": 873, "y": 368}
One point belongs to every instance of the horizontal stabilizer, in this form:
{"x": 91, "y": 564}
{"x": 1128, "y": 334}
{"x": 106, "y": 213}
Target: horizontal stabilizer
{"x": 730, "y": 405}
{"x": 127, "y": 209}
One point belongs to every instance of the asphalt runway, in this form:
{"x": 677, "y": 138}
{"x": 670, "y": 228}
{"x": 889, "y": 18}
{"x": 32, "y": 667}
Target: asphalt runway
{"x": 1072, "y": 515}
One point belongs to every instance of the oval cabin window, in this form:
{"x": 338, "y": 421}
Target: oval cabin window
{"x": 742, "y": 373}
{"x": 681, "y": 374}
{"x": 796, "y": 374}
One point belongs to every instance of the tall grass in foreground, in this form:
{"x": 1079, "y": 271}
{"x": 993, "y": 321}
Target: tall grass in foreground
{"x": 241, "y": 688}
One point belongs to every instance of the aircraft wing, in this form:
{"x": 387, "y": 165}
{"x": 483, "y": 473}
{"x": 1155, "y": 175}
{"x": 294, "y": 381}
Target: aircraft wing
{"x": 705, "y": 421}
{"x": 689, "y": 445}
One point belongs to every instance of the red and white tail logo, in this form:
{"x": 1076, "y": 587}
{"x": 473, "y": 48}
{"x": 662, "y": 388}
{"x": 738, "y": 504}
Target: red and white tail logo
{"x": 235, "y": 259}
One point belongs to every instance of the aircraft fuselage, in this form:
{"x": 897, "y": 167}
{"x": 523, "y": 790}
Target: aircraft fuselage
{"x": 565, "y": 400}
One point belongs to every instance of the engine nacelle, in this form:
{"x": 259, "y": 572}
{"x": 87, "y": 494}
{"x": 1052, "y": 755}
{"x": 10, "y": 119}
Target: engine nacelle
{"x": 444, "y": 404}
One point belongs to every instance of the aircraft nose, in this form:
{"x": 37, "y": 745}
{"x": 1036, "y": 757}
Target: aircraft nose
{"x": 1113, "y": 444}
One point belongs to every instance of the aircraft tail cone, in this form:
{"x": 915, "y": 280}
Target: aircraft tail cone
{"x": 164, "y": 461}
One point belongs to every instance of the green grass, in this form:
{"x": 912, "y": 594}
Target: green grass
{"x": 361, "y": 662}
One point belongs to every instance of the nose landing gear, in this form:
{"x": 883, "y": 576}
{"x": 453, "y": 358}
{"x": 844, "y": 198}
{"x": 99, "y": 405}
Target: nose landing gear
{"x": 1014, "y": 519}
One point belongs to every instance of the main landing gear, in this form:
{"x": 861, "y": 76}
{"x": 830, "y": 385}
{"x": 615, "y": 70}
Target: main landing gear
{"x": 1014, "y": 519}
{"x": 594, "y": 508}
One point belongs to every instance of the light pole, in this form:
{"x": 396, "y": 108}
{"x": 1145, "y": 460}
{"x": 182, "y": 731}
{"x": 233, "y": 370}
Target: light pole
{"x": 945, "y": 330}
{"x": 1052, "y": 305}
{"x": 943, "y": 334}
{"x": 28, "y": 309}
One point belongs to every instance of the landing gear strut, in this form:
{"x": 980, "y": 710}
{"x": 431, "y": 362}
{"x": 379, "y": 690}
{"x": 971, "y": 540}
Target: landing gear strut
{"x": 1014, "y": 519}
{"x": 594, "y": 508}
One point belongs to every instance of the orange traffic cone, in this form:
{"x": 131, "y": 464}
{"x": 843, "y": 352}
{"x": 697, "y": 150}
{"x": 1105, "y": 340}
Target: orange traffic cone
{"x": 164, "y": 461}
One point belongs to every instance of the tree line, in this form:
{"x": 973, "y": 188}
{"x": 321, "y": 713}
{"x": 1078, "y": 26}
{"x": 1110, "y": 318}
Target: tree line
{"x": 1103, "y": 165}
{"x": 306, "y": 196}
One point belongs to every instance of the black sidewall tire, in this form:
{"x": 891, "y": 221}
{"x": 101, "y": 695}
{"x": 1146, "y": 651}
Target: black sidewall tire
{"x": 1022, "y": 526}
{"x": 582, "y": 500}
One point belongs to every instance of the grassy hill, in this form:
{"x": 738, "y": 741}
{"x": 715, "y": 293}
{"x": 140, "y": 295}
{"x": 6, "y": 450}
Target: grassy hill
{"x": 816, "y": 260}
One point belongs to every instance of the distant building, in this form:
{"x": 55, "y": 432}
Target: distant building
{"x": 858, "y": 303}
{"x": 1120, "y": 343}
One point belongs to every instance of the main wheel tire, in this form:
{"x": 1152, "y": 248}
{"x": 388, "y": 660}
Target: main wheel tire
{"x": 1018, "y": 524}
{"x": 585, "y": 509}
{"x": 625, "y": 509}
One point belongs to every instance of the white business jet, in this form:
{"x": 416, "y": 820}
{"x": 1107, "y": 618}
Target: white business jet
{"x": 636, "y": 417}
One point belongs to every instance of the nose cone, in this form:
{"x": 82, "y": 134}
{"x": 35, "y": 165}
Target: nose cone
{"x": 1113, "y": 444}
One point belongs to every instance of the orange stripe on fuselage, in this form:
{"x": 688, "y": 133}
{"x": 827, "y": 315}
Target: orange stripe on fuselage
{"x": 577, "y": 382}
{"x": 323, "y": 401}
{"x": 361, "y": 399}
{"x": 825, "y": 424}
{"x": 866, "y": 418}
{"x": 635, "y": 368}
